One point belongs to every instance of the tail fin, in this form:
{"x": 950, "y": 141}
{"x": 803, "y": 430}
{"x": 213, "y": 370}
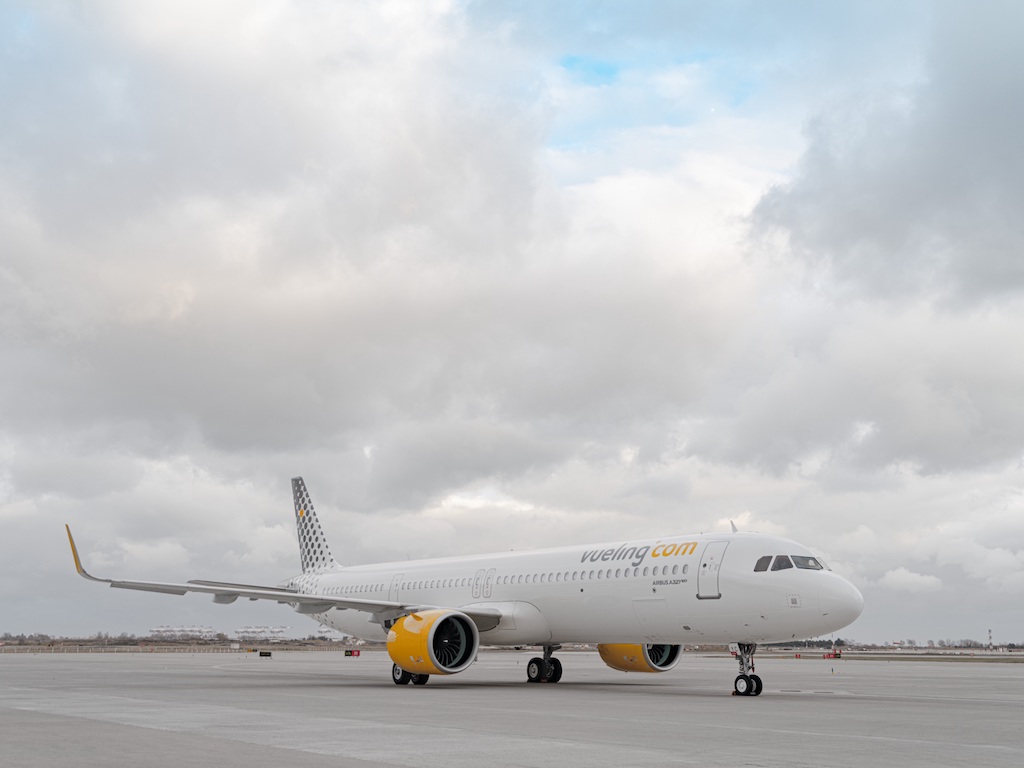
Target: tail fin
{"x": 313, "y": 549}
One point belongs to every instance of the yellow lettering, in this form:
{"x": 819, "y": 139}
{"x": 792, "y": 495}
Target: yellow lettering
{"x": 655, "y": 552}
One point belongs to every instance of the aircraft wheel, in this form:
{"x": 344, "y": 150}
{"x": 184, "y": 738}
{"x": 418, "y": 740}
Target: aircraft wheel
{"x": 400, "y": 676}
{"x": 555, "y": 672}
{"x": 758, "y": 685}
{"x": 420, "y": 679}
{"x": 535, "y": 670}
{"x": 743, "y": 685}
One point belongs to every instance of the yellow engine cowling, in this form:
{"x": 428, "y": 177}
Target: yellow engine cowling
{"x": 436, "y": 642}
{"x": 639, "y": 658}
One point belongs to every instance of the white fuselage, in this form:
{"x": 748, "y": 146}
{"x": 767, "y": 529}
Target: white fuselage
{"x": 684, "y": 589}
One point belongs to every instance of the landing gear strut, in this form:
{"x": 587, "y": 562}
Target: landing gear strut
{"x": 546, "y": 670}
{"x": 401, "y": 677}
{"x": 747, "y": 683}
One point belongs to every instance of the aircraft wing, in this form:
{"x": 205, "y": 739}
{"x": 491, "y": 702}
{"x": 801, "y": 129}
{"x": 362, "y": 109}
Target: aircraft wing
{"x": 306, "y": 603}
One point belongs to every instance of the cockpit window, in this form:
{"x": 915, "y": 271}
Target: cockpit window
{"x": 781, "y": 563}
{"x": 808, "y": 563}
{"x": 762, "y": 563}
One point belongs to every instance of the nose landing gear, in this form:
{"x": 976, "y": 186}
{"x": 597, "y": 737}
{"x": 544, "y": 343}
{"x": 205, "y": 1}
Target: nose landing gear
{"x": 747, "y": 683}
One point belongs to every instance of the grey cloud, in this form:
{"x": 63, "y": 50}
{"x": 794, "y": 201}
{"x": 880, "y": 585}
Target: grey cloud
{"x": 933, "y": 391}
{"x": 916, "y": 191}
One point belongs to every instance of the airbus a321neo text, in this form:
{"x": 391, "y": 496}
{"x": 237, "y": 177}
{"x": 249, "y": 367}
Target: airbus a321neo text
{"x": 638, "y": 600}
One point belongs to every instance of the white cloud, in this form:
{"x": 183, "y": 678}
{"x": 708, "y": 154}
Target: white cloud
{"x": 480, "y": 301}
{"x": 905, "y": 580}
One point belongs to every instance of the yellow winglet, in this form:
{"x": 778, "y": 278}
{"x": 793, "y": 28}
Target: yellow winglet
{"x": 74, "y": 551}
{"x": 78, "y": 561}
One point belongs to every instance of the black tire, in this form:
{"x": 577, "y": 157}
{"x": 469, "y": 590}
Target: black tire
{"x": 758, "y": 685}
{"x": 556, "y": 671}
{"x": 420, "y": 679}
{"x": 535, "y": 670}
{"x": 400, "y": 676}
{"x": 743, "y": 685}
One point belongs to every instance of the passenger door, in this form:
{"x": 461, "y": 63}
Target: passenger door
{"x": 707, "y": 571}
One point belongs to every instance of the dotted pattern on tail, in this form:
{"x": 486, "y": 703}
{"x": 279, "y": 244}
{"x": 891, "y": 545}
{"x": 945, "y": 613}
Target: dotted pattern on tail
{"x": 313, "y": 549}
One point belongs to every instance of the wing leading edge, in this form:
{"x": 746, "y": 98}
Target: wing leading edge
{"x": 303, "y": 602}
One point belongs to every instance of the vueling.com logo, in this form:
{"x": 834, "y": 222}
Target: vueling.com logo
{"x": 636, "y": 555}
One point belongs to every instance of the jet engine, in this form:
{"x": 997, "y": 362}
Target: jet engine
{"x": 435, "y": 642}
{"x": 639, "y": 658}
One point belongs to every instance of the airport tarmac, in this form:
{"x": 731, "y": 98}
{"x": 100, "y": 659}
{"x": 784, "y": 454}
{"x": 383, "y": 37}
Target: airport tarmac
{"x": 323, "y": 709}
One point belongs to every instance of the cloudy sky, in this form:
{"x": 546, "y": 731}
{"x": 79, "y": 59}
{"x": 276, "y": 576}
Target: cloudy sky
{"x": 510, "y": 275}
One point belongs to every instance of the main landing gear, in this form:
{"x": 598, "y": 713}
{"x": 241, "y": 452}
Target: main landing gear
{"x": 546, "y": 670}
{"x": 747, "y": 683}
{"x": 401, "y": 677}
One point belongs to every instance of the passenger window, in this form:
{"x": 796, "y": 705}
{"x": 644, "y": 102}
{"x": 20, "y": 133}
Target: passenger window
{"x": 781, "y": 563}
{"x": 574, "y": 575}
{"x": 762, "y": 563}
{"x": 807, "y": 563}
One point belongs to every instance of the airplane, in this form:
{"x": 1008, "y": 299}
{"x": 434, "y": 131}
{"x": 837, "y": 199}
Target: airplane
{"x": 639, "y": 601}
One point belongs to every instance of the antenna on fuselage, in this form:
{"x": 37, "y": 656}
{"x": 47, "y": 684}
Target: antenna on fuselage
{"x": 734, "y": 528}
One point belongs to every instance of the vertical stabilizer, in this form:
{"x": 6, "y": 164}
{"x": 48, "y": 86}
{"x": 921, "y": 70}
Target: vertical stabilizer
{"x": 313, "y": 549}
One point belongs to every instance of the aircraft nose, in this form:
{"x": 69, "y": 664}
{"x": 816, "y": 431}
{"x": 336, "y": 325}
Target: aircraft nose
{"x": 840, "y": 601}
